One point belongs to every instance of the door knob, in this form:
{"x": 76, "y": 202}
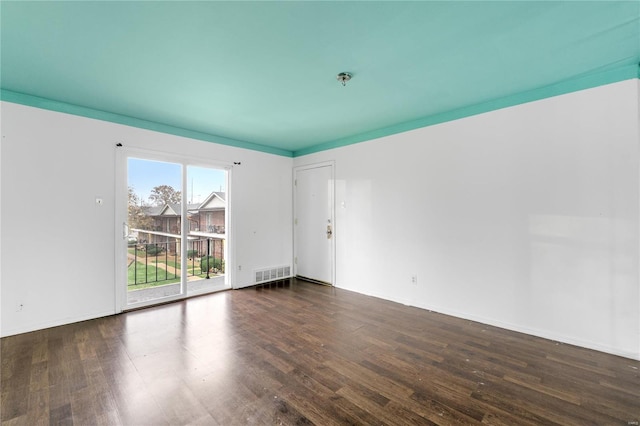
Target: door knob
{"x": 329, "y": 232}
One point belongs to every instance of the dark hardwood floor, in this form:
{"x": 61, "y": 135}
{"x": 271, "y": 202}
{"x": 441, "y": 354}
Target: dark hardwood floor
{"x": 306, "y": 354}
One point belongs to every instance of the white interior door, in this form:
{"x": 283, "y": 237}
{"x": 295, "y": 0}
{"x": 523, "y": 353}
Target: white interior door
{"x": 313, "y": 223}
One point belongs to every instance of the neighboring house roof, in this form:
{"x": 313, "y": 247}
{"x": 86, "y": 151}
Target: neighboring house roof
{"x": 163, "y": 210}
{"x": 174, "y": 209}
{"x": 214, "y": 200}
{"x": 171, "y": 210}
{"x": 152, "y": 210}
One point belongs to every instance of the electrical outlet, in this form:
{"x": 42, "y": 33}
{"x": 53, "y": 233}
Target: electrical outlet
{"x": 414, "y": 279}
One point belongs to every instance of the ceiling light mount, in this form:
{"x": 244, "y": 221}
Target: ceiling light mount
{"x": 343, "y": 77}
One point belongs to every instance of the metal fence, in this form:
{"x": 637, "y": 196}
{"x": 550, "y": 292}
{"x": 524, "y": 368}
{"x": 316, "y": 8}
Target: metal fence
{"x": 160, "y": 261}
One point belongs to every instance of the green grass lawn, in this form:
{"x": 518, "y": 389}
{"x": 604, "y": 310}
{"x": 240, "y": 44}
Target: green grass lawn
{"x": 140, "y": 274}
{"x": 172, "y": 261}
{"x": 140, "y": 253}
{"x": 193, "y": 268}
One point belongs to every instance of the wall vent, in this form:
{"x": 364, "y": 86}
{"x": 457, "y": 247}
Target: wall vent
{"x": 272, "y": 274}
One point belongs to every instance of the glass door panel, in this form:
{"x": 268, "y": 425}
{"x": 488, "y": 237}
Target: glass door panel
{"x": 206, "y": 235}
{"x": 154, "y": 231}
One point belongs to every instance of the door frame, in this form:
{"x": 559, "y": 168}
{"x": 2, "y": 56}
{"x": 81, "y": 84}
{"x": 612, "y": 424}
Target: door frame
{"x": 121, "y": 217}
{"x": 332, "y": 212}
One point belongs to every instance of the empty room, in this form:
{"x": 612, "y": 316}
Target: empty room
{"x": 318, "y": 212}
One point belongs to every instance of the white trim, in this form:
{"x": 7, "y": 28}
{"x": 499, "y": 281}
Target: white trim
{"x": 637, "y": 269}
{"x": 557, "y": 337}
{"x": 184, "y": 231}
{"x": 308, "y": 166}
{"x": 176, "y": 158}
{"x": 153, "y": 302}
{"x": 230, "y": 248}
{"x": 121, "y": 217}
{"x": 27, "y": 328}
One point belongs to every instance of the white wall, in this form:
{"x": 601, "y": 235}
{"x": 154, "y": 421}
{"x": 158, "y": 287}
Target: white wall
{"x": 525, "y": 217}
{"x": 57, "y": 246}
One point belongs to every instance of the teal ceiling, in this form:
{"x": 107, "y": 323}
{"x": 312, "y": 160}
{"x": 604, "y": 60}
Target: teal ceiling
{"x": 262, "y": 74}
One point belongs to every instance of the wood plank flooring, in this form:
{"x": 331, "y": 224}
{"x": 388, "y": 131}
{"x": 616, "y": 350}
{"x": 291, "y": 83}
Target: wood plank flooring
{"x": 302, "y": 354}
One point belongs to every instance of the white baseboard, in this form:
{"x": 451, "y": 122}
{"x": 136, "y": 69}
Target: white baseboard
{"x": 545, "y": 334}
{"x": 27, "y": 328}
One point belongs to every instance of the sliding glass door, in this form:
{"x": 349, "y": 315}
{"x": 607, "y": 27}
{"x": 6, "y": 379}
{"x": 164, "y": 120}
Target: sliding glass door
{"x": 174, "y": 231}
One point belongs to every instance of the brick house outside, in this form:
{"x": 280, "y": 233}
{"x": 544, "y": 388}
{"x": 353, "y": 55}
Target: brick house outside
{"x": 206, "y": 222}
